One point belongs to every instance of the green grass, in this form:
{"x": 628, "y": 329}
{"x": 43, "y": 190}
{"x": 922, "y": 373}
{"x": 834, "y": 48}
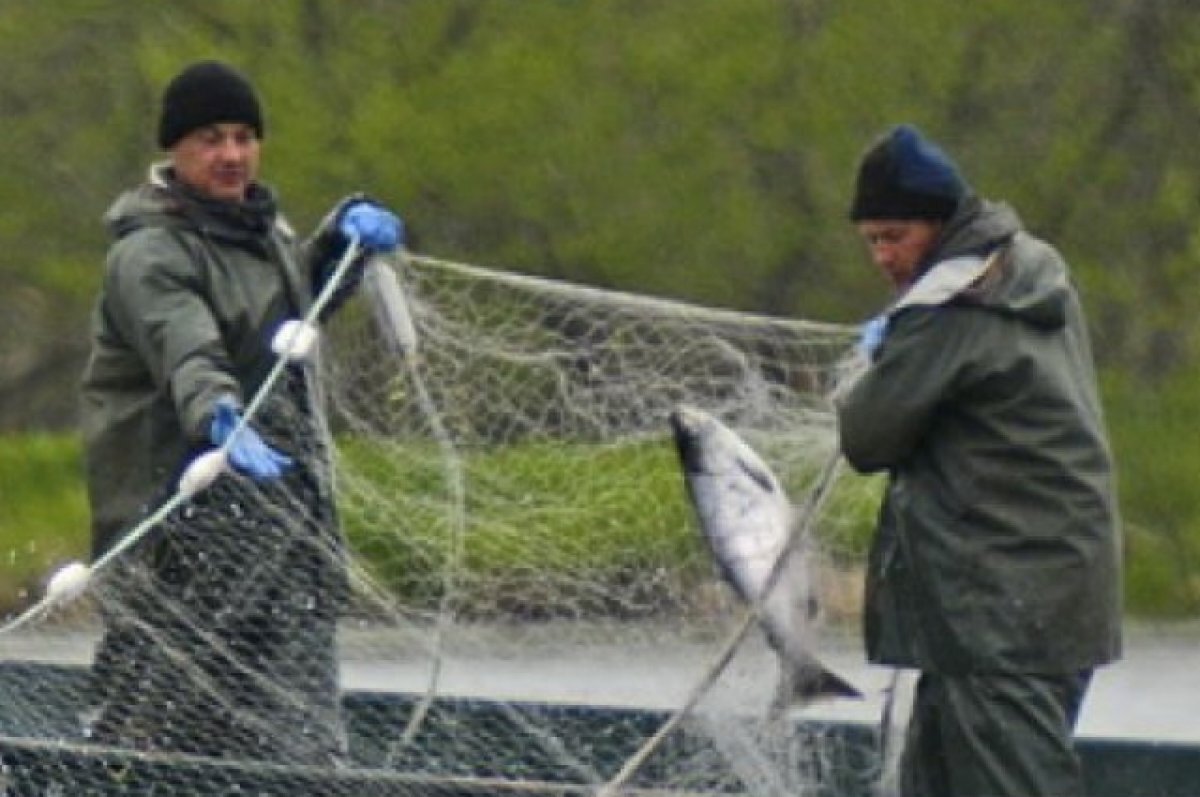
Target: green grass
{"x": 1157, "y": 466}
{"x": 43, "y": 510}
{"x": 543, "y": 519}
{"x": 538, "y": 517}
{"x": 539, "y": 520}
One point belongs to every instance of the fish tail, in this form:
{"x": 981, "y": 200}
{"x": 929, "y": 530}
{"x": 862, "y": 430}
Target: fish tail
{"x": 805, "y": 683}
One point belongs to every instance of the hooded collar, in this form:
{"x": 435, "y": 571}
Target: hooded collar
{"x": 163, "y": 201}
{"x": 252, "y": 217}
{"x": 974, "y": 262}
{"x": 977, "y": 227}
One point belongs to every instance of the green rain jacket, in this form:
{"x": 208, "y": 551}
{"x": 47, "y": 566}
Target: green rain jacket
{"x": 997, "y": 546}
{"x": 193, "y": 291}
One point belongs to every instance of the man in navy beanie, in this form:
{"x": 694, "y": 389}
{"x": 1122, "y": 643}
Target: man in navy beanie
{"x": 995, "y": 566}
{"x": 220, "y": 624}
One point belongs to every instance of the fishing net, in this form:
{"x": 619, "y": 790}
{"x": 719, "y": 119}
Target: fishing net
{"x": 518, "y": 598}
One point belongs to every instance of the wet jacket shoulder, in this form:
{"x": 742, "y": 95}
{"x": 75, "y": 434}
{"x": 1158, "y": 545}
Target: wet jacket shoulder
{"x": 997, "y": 542}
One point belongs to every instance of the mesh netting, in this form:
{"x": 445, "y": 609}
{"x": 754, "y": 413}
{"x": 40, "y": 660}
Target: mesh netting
{"x": 517, "y": 598}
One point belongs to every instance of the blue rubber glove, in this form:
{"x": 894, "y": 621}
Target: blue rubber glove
{"x": 872, "y": 334}
{"x": 248, "y": 452}
{"x": 375, "y": 227}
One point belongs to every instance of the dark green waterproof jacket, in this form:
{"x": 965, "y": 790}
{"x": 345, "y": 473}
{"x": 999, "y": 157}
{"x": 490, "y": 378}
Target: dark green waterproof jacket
{"x": 997, "y": 547}
{"x": 193, "y": 291}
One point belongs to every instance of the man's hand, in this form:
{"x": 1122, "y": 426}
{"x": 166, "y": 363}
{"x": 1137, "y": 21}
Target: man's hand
{"x": 376, "y": 228}
{"x": 248, "y": 452}
{"x": 872, "y": 334}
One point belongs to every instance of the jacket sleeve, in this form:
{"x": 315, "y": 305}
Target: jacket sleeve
{"x": 320, "y": 253}
{"x": 883, "y": 417}
{"x": 155, "y": 297}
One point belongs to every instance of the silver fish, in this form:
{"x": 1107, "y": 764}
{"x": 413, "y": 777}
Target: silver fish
{"x": 747, "y": 520}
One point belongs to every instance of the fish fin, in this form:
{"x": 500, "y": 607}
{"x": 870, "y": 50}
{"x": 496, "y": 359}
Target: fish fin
{"x": 764, "y": 478}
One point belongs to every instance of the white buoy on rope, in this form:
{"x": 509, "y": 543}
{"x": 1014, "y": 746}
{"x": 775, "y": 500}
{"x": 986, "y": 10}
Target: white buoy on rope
{"x": 68, "y": 583}
{"x": 203, "y": 471}
{"x": 295, "y": 340}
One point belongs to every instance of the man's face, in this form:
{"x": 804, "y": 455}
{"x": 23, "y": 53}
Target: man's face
{"x": 220, "y": 161}
{"x": 899, "y": 247}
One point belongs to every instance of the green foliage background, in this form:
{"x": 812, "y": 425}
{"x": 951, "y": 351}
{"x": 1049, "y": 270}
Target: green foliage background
{"x": 700, "y": 149}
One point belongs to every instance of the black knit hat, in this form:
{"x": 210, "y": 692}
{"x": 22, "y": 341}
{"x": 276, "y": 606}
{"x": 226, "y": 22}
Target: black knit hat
{"x": 906, "y": 176}
{"x": 205, "y": 93}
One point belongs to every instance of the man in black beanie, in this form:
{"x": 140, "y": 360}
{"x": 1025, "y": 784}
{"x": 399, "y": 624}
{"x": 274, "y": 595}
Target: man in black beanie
{"x": 220, "y": 623}
{"x": 995, "y": 566}
{"x": 203, "y": 94}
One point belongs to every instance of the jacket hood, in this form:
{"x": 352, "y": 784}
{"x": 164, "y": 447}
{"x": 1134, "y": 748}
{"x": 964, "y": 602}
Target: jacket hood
{"x": 149, "y": 205}
{"x": 1022, "y": 276}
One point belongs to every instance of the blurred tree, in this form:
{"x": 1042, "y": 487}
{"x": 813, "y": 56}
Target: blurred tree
{"x": 65, "y": 102}
{"x": 702, "y": 150}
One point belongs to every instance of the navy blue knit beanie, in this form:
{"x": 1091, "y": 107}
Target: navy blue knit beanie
{"x": 206, "y": 93}
{"x": 906, "y": 176}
